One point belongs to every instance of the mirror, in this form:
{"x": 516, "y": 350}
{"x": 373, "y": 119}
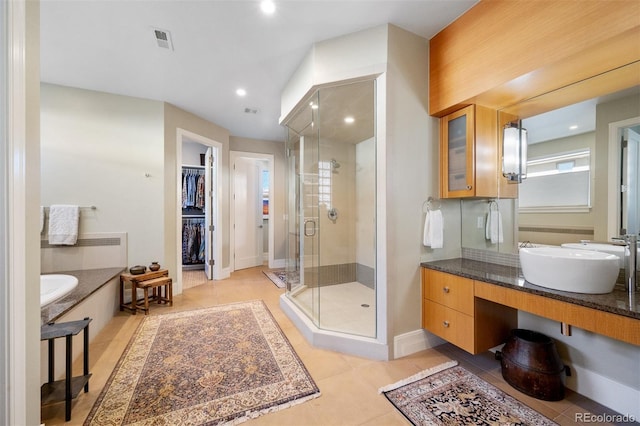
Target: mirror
{"x": 565, "y": 197}
{"x": 602, "y": 107}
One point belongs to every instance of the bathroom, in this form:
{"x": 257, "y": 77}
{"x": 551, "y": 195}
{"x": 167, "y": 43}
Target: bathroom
{"x": 395, "y": 268}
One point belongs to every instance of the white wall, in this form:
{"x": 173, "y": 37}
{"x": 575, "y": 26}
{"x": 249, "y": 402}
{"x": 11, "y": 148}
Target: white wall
{"x": 20, "y": 281}
{"x": 353, "y": 56}
{"x": 108, "y": 151}
{"x": 603, "y": 369}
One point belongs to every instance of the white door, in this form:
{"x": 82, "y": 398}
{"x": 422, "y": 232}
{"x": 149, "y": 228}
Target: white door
{"x": 209, "y": 205}
{"x": 247, "y": 198}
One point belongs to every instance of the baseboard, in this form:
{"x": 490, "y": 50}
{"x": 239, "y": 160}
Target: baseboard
{"x": 224, "y": 273}
{"x": 340, "y": 342}
{"x": 278, "y": 263}
{"x": 414, "y": 341}
{"x": 615, "y": 395}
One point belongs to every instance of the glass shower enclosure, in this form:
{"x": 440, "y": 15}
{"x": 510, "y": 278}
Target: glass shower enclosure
{"x": 331, "y": 193}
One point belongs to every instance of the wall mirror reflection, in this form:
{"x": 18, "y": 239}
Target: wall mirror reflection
{"x": 582, "y": 181}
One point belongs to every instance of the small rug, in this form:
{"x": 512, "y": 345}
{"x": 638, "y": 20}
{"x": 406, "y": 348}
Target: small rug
{"x": 220, "y": 365}
{"x": 450, "y": 395}
{"x": 279, "y": 278}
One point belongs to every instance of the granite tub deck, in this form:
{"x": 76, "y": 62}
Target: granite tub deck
{"x": 616, "y": 302}
{"x": 89, "y": 281}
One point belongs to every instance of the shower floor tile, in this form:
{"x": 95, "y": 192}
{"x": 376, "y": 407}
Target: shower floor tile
{"x": 348, "y": 308}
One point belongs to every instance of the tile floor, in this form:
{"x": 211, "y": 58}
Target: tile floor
{"x": 349, "y": 384}
{"x": 346, "y": 308}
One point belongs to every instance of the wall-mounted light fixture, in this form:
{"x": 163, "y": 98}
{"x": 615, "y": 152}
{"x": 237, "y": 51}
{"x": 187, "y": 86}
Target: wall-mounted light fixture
{"x": 514, "y": 152}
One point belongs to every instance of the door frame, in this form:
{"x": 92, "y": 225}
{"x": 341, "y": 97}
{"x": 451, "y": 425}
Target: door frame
{"x": 613, "y": 186}
{"x": 183, "y": 135}
{"x": 269, "y": 158}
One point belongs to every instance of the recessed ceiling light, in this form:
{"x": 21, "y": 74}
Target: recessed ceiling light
{"x": 349, "y": 120}
{"x": 268, "y": 7}
{"x": 241, "y": 92}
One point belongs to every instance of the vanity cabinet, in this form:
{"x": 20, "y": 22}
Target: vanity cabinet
{"x": 450, "y": 311}
{"x": 470, "y": 163}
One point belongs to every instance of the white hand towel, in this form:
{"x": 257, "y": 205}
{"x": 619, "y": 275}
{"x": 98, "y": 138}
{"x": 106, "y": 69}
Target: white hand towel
{"x": 426, "y": 234}
{"x": 63, "y": 224}
{"x": 433, "y": 229}
{"x": 493, "y": 229}
{"x": 41, "y": 219}
{"x": 437, "y": 229}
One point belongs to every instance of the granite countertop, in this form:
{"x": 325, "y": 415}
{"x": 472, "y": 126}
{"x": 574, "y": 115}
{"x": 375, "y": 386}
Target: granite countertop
{"x": 616, "y": 302}
{"x": 89, "y": 281}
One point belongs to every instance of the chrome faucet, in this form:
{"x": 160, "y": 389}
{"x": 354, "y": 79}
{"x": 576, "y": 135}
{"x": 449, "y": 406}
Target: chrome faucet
{"x": 630, "y": 272}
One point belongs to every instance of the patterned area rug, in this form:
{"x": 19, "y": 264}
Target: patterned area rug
{"x": 220, "y": 365}
{"x": 450, "y": 395}
{"x": 279, "y": 278}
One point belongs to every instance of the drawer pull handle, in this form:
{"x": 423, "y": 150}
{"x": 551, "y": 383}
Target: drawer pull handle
{"x": 445, "y": 323}
{"x": 445, "y": 289}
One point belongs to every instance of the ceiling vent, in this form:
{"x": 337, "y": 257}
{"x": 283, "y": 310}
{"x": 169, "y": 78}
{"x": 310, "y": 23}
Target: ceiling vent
{"x": 163, "y": 38}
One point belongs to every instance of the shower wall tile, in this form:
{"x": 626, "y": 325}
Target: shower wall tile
{"x": 340, "y": 274}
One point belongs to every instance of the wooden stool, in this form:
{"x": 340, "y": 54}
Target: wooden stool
{"x": 136, "y": 281}
{"x": 156, "y": 285}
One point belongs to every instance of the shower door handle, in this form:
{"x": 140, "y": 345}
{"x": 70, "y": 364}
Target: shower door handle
{"x": 307, "y": 232}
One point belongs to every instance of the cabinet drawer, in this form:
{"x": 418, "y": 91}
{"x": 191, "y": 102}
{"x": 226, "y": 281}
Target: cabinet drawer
{"x": 450, "y": 290}
{"x": 449, "y": 324}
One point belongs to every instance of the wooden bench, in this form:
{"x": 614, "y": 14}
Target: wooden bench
{"x": 156, "y": 285}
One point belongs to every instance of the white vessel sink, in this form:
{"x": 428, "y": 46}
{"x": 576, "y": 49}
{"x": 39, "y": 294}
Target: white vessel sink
{"x": 565, "y": 269}
{"x": 605, "y": 248}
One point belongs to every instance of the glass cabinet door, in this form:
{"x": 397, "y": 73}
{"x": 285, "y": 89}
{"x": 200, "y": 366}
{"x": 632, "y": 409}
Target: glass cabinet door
{"x": 457, "y": 154}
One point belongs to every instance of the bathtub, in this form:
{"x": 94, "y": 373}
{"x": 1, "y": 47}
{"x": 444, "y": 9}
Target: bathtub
{"x": 55, "y": 286}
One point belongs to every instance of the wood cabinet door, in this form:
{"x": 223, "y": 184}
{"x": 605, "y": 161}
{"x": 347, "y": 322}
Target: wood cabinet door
{"x": 457, "y": 154}
{"x": 451, "y": 291}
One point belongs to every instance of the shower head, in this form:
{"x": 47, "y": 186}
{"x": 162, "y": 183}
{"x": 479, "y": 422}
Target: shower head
{"x": 334, "y": 164}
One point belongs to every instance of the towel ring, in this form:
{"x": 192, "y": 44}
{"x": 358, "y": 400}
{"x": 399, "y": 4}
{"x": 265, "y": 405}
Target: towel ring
{"x": 430, "y": 204}
{"x": 493, "y": 203}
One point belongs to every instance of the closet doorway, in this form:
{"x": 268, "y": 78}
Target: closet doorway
{"x": 252, "y": 220}
{"x": 199, "y": 234}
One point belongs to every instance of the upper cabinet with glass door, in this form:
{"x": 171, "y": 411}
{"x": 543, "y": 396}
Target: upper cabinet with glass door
{"x": 470, "y": 155}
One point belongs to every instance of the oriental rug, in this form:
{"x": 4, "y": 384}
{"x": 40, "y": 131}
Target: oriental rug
{"x": 278, "y": 277}
{"x": 220, "y": 365}
{"x": 450, "y": 395}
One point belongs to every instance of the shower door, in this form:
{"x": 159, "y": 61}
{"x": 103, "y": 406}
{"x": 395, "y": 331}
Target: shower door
{"x": 331, "y": 181}
{"x": 302, "y": 194}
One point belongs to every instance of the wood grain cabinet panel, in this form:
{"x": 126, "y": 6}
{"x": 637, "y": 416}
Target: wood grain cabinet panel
{"x": 470, "y": 154}
{"x": 450, "y": 311}
{"x": 451, "y": 325}
{"x": 451, "y": 291}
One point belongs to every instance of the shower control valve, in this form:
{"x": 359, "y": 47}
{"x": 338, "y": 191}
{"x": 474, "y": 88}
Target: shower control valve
{"x": 332, "y": 214}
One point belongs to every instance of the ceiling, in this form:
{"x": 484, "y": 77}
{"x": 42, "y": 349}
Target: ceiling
{"x": 570, "y": 120}
{"x": 218, "y": 47}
